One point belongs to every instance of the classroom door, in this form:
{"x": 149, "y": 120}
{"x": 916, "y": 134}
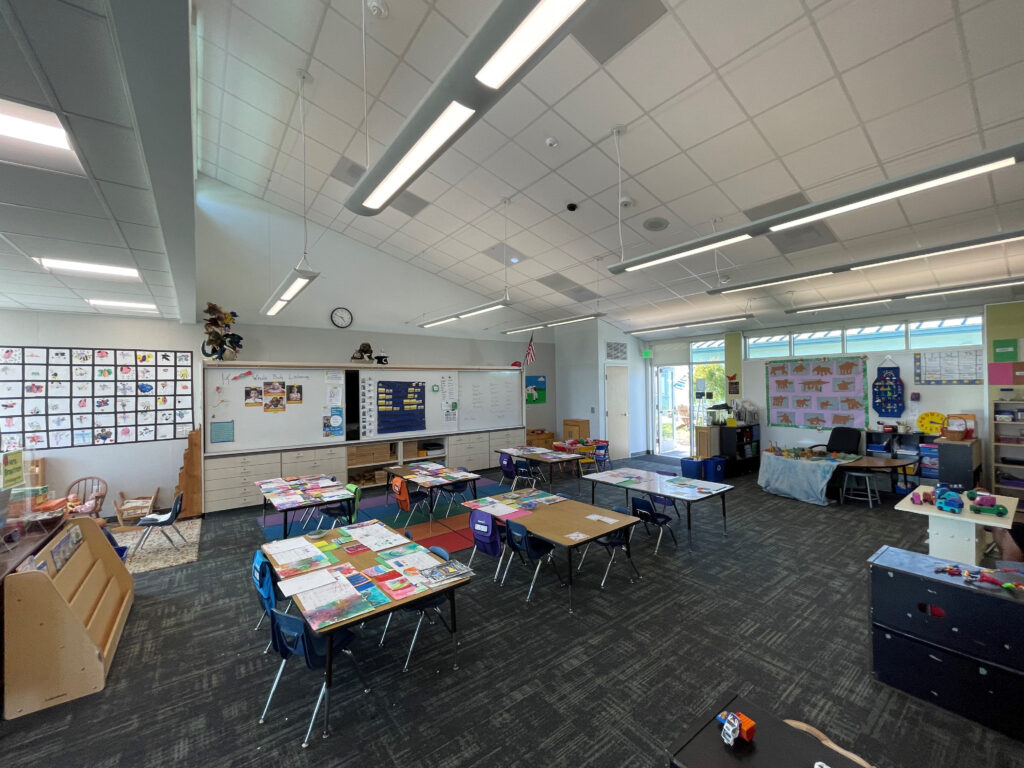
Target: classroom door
{"x": 616, "y": 410}
{"x": 673, "y": 427}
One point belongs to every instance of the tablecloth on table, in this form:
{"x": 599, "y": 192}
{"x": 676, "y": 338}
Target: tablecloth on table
{"x": 801, "y": 479}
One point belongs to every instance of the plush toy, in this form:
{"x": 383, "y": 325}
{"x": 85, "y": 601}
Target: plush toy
{"x": 365, "y": 352}
{"x": 220, "y": 341}
{"x": 76, "y": 507}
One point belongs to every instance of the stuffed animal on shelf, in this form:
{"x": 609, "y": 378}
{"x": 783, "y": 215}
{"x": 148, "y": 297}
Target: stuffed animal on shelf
{"x": 221, "y": 342}
{"x": 365, "y": 352}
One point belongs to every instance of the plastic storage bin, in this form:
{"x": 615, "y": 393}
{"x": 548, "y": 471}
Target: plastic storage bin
{"x": 692, "y": 468}
{"x": 714, "y": 469}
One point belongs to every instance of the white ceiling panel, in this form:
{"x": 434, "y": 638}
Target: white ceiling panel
{"x": 724, "y": 29}
{"x": 597, "y": 105}
{"x": 516, "y": 109}
{"x": 264, "y": 49}
{"x": 673, "y": 178}
{"x": 467, "y": 15}
{"x": 431, "y": 51}
{"x": 396, "y": 30}
{"x": 339, "y": 46}
{"x": 808, "y": 118}
{"x": 112, "y": 152}
{"x": 834, "y": 158}
{"x": 16, "y": 220}
{"x": 550, "y": 125}
{"x": 737, "y": 150}
{"x": 404, "y": 90}
{"x": 34, "y": 187}
{"x": 560, "y": 71}
{"x": 252, "y": 86}
{"x": 515, "y": 166}
{"x": 1001, "y": 95}
{"x": 18, "y": 84}
{"x": 759, "y": 185}
{"x": 297, "y": 21}
{"x": 643, "y": 145}
{"x": 949, "y": 115}
{"x": 699, "y": 113}
{"x": 994, "y": 35}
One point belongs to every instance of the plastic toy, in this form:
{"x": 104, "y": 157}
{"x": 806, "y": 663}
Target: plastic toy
{"x": 736, "y": 725}
{"x": 997, "y": 509}
{"x": 949, "y": 501}
{"x": 915, "y": 497}
{"x": 928, "y": 497}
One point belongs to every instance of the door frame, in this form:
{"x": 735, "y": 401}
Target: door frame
{"x": 625, "y": 368}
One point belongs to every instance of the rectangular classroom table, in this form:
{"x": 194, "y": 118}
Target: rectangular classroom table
{"x": 677, "y": 488}
{"x": 543, "y": 456}
{"x": 300, "y": 493}
{"x": 361, "y": 561}
{"x": 430, "y": 475}
{"x": 955, "y": 536}
{"x": 566, "y": 523}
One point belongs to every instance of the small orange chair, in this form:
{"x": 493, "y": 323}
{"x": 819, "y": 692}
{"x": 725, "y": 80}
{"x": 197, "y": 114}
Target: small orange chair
{"x": 406, "y": 502}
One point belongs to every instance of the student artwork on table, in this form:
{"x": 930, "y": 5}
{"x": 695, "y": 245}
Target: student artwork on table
{"x": 536, "y": 390}
{"x": 63, "y": 397}
{"x": 817, "y": 393}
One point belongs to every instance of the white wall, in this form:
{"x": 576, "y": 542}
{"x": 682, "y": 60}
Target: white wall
{"x": 639, "y": 407}
{"x": 138, "y": 468}
{"x": 578, "y": 393}
{"x": 944, "y": 398}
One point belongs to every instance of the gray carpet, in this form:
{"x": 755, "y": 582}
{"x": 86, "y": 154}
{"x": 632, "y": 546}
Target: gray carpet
{"x": 777, "y": 611}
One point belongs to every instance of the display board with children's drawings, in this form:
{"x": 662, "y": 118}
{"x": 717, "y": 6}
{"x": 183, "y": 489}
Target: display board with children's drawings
{"x": 63, "y": 397}
{"x": 817, "y": 393}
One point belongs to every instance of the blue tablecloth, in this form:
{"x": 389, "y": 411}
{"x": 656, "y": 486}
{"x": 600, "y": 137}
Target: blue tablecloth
{"x": 801, "y": 479}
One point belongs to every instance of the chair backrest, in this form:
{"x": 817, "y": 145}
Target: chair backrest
{"x": 844, "y": 440}
{"x": 643, "y": 508}
{"x": 263, "y": 580}
{"x": 516, "y": 535}
{"x": 401, "y": 491}
{"x": 523, "y": 468}
{"x": 601, "y": 451}
{"x": 460, "y": 487}
{"x": 85, "y": 487}
{"x": 586, "y": 449}
{"x": 291, "y": 636}
{"x": 486, "y": 534}
{"x": 508, "y": 468}
{"x": 175, "y": 508}
{"x": 441, "y": 552}
{"x": 356, "y": 491}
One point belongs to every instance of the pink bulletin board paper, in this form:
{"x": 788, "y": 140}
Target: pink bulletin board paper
{"x": 817, "y": 393}
{"x": 1000, "y": 374}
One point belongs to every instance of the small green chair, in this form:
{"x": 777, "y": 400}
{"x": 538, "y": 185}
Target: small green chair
{"x": 356, "y": 491}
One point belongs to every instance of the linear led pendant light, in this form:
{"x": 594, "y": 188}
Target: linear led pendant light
{"x": 986, "y": 286}
{"x": 983, "y": 162}
{"x": 516, "y": 36}
{"x": 300, "y": 275}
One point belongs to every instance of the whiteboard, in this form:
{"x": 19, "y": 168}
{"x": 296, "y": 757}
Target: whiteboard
{"x": 253, "y": 427}
{"x": 491, "y": 400}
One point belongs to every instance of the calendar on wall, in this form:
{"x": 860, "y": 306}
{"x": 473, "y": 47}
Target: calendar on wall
{"x": 63, "y": 397}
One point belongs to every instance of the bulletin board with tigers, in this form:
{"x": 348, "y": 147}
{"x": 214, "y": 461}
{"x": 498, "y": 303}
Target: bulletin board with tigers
{"x": 817, "y": 392}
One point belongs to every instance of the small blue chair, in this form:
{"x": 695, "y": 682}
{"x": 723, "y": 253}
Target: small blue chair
{"x": 421, "y": 607}
{"x": 460, "y": 488}
{"x": 291, "y": 636}
{"x": 612, "y": 542}
{"x": 601, "y": 457}
{"x": 644, "y": 509}
{"x": 486, "y": 537}
{"x": 263, "y": 579}
{"x": 520, "y": 542}
{"x": 523, "y": 472}
{"x": 508, "y": 469}
{"x": 664, "y": 501}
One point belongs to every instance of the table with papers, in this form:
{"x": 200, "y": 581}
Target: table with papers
{"x": 535, "y": 453}
{"x": 286, "y": 494}
{"x": 431, "y": 476}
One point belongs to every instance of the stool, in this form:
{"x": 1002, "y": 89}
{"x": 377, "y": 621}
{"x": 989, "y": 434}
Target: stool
{"x": 866, "y": 493}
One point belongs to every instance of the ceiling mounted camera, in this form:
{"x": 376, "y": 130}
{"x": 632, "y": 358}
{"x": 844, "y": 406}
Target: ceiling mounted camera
{"x": 571, "y": 207}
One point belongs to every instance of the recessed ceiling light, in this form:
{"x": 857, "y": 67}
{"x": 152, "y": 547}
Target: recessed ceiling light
{"x": 38, "y": 126}
{"x": 60, "y": 265}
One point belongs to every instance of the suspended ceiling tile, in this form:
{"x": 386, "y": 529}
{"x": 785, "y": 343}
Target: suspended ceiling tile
{"x": 834, "y": 158}
{"x": 702, "y": 206}
{"x": 18, "y": 84}
{"x": 262, "y": 48}
{"x": 248, "y": 147}
{"x": 857, "y": 31}
{"x": 467, "y": 15}
{"x": 15, "y": 220}
{"x": 597, "y": 105}
{"x": 480, "y": 142}
{"x": 737, "y": 150}
{"x": 143, "y": 238}
{"x": 590, "y": 172}
{"x": 440, "y": 219}
{"x": 759, "y": 185}
{"x": 393, "y": 31}
{"x": 211, "y": 59}
{"x": 252, "y": 86}
{"x": 867, "y": 221}
{"x": 643, "y": 145}
{"x": 673, "y": 178}
{"x": 246, "y": 117}
{"x": 340, "y": 47}
{"x": 1000, "y": 95}
{"x": 942, "y": 202}
{"x": 37, "y": 188}
{"x": 808, "y": 118}
{"x": 297, "y": 21}
{"x": 560, "y": 71}
{"x": 995, "y": 35}
{"x": 642, "y": 199}
{"x": 724, "y": 29}
{"x": 923, "y": 67}
{"x": 70, "y": 250}
{"x": 403, "y": 92}
{"x": 929, "y": 122}
{"x": 515, "y": 166}
{"x": 516, "y": 109}
{"x": 524, "y": 212}
{"x": 556, "y": 231}
{"x": 434, "y": 46}
{"x": 111, "y": 152}
{"x": 243, "y": 167}
{"x": 551, "y": 125}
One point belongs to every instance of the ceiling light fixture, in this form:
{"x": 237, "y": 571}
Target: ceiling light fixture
{"x": 826, "y": 307}
{"x": 60, "y": 265}
{"x": 510, "y": 42}
{"x": 570, "y": 321}
{"x": 540, "y": 24}
{"x": 136, "y": 305}
{"x": 656, "y": 330}
{"x": 523, "y": 330}
{"x": 734, "y": 319}
{"x": 983, "y": 162}
{"x": 965, "y": 290}
{"x": 676, "y": 254}
{"x": 892, "y": 195}
{"x": 944, "y": 249}
{"x": 37, "y": 133}
{"x": 776, "y": 282}
{"x": 300, "y": 275}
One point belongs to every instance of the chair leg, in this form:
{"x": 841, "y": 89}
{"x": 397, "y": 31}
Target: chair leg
{"x": 382, "y": 634}
{"x": 606, "y": 570}
{"x": 661, "y": 531}
{"x": 359, "y": 670}
{"x": 534, "y": 579}
{"x": 175, "y": 529}
{"x": 501, "y": 556}
{"x": 163, "y": 530}
{"x": 273, "y": 688}
{"x": 412, "y": 645}
{"x": 505, "y": 576}
{"x": 142, "y": 541}
{"x": 312, "y": 720}
{"x": 582, "y": 558}
{"x": 673, "y": 535}
{"x": 260, "y": 622}
{"x": 471, "y": 556}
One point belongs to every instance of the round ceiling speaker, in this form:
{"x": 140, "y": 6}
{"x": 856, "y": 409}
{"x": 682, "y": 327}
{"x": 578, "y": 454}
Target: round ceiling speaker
{"x": 656, "y": 224}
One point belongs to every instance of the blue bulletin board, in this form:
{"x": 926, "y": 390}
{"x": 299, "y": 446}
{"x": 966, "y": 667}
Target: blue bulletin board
{"x": 401, "y": 406}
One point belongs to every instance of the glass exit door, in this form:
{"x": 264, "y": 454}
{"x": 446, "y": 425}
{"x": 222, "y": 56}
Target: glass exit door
{"x": 673, "y": 436}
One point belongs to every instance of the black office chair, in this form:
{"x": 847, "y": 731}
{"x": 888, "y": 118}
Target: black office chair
{"x": 842, "y": 440}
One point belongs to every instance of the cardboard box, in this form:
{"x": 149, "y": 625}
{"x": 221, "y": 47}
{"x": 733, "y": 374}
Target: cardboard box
{"x": 380, "y": 477}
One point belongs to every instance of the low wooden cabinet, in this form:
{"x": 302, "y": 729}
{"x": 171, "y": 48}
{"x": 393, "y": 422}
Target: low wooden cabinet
{"x": 707, "y": 442}
{"x": 63, "y": 620}
{"x": 575, "y": 429}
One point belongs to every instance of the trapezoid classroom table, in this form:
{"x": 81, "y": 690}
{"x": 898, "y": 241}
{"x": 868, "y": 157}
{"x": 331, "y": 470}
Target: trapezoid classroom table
{"x": 302, "y": 493}
{"x": 434, "y": 479}
{"x": 776, "y": 744}
{"x": 361, "y": 561}
{"x": 544, "y": 456}
{"x": 955, "y": 536}
{"x": 677, "y": 488}
{"x": 567, "y": 523}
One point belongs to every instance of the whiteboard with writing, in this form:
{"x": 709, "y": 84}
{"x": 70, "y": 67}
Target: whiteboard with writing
{"x": 491, "y": 400}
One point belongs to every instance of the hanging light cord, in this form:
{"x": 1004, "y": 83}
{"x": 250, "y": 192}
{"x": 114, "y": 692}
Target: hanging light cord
{"x": 366, "y": 125}
{"x": 302, "y": 127}
{"x": 618, "y": 203}
{"x": 504, "y": 247}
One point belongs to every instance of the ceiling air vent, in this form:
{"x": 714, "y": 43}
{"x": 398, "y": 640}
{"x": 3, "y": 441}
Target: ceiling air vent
{"x": 616, "y": 350}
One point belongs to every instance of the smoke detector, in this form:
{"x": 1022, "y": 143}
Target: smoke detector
{"x": 551, "y": 141}
{"x": 626, "y": 202}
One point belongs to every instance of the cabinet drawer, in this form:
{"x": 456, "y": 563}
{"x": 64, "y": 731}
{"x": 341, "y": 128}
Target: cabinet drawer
{"x": 294, "y": 456}
{"x": 245, "y": 475}
{"x": 242, "y": 462}
{"x": 332, "y": 454}
{"x": 221, "y": 483}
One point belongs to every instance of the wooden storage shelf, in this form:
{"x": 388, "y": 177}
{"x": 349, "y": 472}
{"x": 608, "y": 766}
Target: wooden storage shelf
{"x": 392, "y": 460}
{"x": 62, "y": 625}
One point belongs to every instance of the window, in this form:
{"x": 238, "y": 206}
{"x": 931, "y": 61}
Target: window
{"x": 768, "y": 346}
{"x": 817, "y": 342}
{"x": 951, "y": 332}
{"x": 707, "y": 351}
{"x": 876, "y": 338}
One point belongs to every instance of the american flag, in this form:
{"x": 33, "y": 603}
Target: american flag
{"x": 531, "y": 353}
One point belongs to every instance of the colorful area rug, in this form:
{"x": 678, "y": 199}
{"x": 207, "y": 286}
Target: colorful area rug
{"x": 158, "y": 553}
